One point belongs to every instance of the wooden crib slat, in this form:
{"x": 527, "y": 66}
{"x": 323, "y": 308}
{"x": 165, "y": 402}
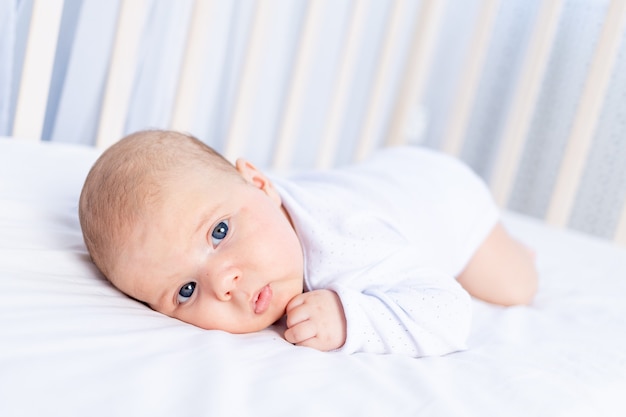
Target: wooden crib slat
{"x": 43, "y": 32}
{"x": 314, "y": 22}
{"x": 587, "y": 114}
{"x": 524, "y": 100}
{"x": 341, "y": 96}
{"x": 464, "y": 100}
{"x": 121, "y": 72}
{"x": 376, "y": 103}
{"x": 254, "y": 55}
{"x": 423, "y": 40}
{"x": 191, "y": 71}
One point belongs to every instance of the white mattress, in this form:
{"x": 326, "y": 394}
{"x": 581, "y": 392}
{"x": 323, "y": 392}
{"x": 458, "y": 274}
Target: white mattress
{"x": 71, "y": 345}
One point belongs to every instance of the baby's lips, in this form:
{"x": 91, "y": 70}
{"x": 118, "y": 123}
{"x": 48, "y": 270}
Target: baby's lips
{"x": 263, "y": 299}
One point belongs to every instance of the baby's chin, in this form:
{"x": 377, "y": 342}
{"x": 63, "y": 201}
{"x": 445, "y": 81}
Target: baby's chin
{"x": 250, "y": 326}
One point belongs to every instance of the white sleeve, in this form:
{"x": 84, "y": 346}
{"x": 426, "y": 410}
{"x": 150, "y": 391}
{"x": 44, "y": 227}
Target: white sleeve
{"x": 427, "y": 315}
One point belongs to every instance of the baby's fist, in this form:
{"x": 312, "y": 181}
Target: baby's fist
{"x": 316, "y": 319}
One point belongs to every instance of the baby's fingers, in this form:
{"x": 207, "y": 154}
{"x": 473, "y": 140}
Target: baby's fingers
{"x": 297, "y": 315}
{"x": 301, "y": 332}
{"x": 296, "y": 302}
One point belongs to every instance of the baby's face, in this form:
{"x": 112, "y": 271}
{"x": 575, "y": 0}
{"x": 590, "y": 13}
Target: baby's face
{"x": 219, "y": 253}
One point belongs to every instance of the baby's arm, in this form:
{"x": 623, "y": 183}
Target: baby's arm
{"x": 316, "y": 319}
{"x": 426, "y": 313}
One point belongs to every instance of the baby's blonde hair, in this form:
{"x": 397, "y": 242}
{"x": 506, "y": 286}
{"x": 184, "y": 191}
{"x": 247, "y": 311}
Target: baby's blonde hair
{"x": 128, "y": 177}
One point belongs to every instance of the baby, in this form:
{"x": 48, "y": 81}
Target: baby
{"x": 378, "y": 257}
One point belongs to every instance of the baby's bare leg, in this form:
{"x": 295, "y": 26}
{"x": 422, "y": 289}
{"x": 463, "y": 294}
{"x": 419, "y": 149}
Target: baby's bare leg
{"x": 502, "y": 271}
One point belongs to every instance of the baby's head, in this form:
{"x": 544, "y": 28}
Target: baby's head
{"x": 173, "y": 224}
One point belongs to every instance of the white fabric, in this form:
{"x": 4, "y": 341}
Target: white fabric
{"x": 72, "y": 345}
{"x": 389, "y": 236}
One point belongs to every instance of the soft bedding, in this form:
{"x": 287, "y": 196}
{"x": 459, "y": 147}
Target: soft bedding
{"x": 72, "y": 345}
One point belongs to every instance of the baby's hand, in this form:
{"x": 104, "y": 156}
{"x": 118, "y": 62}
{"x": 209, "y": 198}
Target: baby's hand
{"x": 316, "y": 319}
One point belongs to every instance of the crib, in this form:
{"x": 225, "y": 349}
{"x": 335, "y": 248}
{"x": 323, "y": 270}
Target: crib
{"x": 529, "y": 93}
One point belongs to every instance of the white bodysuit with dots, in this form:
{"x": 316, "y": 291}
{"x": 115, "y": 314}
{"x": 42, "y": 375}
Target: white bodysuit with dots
{"x": 390, "y": 235}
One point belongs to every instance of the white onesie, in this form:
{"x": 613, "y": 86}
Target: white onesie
{"x": 389, "y": 236}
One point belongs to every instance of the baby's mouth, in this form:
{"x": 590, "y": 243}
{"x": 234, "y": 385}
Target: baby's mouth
{"x": 262, "y": 300}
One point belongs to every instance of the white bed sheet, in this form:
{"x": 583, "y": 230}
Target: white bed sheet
{"x": 71, "y": 345}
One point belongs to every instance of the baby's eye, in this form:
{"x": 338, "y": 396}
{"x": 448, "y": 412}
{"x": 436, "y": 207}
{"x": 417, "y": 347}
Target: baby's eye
{"x": 186, "y": 292}
{"x": 219, "y": 233}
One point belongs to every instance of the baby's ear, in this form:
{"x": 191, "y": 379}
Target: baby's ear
{"x": 254, "y": 176}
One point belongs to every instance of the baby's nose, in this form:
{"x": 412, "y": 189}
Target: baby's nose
{"x": 225, "y": 284}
